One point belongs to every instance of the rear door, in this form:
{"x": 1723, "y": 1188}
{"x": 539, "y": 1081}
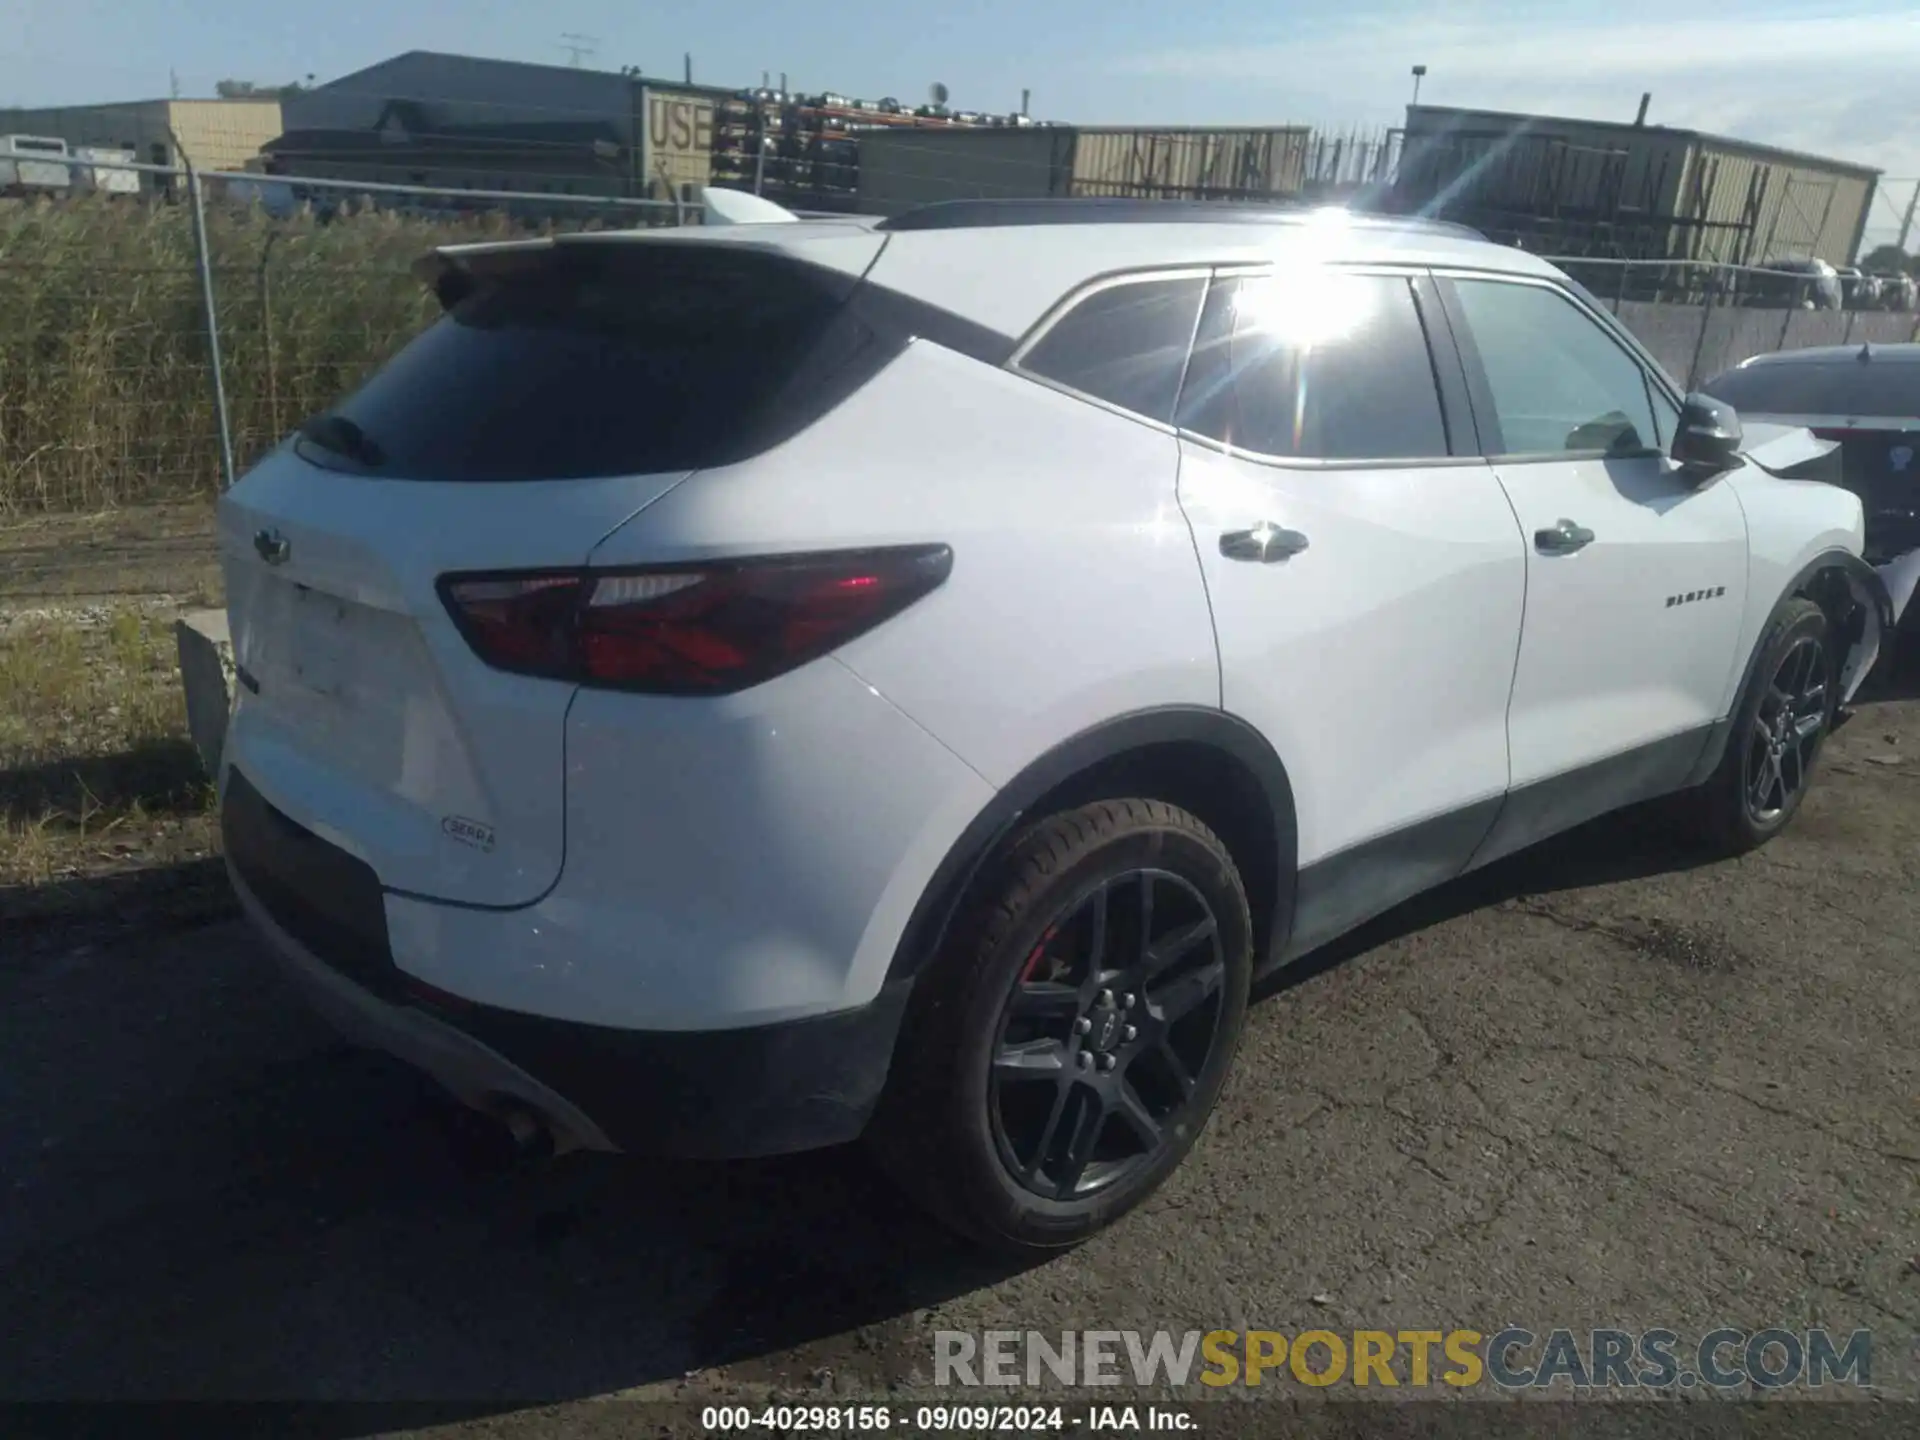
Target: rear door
{"x": 562, "y": 395}
{"x": 1367, "y": 578}
{"x": 1636, "y": 579}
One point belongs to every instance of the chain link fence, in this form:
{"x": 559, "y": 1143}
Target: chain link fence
{"x": 1701, "y": 319}
{"x": 114, "y": 307}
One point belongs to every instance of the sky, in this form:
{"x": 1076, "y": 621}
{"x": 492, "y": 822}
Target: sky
{"x": 1833, "y": 77}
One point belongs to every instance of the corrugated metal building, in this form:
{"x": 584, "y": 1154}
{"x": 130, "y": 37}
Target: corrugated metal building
{"x": 1631, "y": 190}
{"x": 216, "y": 134}
{"x": 465, "y": 122}
{"x": 462, "y": 122}
{"x": 900, "y": 169}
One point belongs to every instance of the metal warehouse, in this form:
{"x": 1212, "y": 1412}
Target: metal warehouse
{"x": 901, "y": 169}
{"x": 464, "y": 122}
{"x": 214, "y": 134}
{"x": 1631, "y": 190}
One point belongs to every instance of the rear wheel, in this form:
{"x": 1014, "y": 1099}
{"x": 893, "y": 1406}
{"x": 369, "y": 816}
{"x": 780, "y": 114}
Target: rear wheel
{"x": 1778, "y": 731}
{"x": 1062, "y": 1056}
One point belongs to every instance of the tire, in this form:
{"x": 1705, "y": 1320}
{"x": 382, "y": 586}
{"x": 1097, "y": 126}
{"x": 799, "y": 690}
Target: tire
{"x": 1797, "y": 666}
{"x": 1000, "y": 1151}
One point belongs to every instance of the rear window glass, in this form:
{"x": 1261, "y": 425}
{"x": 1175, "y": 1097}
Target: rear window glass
{"x": 1850, "y": 387}
{"x": 598, "y": 361}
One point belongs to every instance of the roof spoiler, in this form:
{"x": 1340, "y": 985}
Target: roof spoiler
{"x": 737, "y": 207}
{"x": 450, "y": 270}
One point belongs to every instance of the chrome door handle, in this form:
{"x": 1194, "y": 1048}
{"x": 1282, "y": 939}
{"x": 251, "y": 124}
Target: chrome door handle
{"x": 1264, "y": 543}
{"x": 1563, "y": 539}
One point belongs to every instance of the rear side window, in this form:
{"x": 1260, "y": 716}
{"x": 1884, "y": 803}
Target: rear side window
{"x": 1125, "y": 344}
{"x": 1847, "y": 388}
{"x": 1559, "y": 382}
{"x": 596, "y": 361}
{"x": 1315, "y": 364}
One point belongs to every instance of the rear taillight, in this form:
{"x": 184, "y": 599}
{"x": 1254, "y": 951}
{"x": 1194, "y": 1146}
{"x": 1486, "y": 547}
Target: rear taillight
{"x": 687, "y": 629}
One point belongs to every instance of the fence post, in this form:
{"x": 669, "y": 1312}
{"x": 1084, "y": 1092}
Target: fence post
{"x": 266, "y": 336}
{"x": 1700, "y": 340}
{"x": 1786, "y": 325}
{"x": 1852, "y": 315}
{"x": 210, "y": 313}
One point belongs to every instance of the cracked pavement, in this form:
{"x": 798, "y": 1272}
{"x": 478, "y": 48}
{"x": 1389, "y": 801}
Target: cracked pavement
{"x": 1598, "y": 1085}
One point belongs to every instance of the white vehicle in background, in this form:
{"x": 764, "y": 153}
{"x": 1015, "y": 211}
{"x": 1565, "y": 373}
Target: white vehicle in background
{"x": 738, "y": 689}
{"x": 101, "y": 174}
{"x": 33, "y": 165}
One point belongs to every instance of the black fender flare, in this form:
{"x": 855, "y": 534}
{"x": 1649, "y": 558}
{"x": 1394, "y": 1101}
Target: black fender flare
{"x": 1856, "y": 570}
{"x": 940, "y": 901}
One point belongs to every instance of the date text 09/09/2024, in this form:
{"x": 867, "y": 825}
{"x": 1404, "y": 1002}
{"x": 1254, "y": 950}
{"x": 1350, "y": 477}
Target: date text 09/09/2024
{"x": 939, "y": 1419}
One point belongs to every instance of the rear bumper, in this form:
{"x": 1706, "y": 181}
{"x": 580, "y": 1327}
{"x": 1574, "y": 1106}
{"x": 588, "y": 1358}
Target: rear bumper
{"x": 717, "y": 1094}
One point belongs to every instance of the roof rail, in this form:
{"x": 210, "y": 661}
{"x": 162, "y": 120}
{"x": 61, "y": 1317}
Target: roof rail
{"x": 1122, "y": 210}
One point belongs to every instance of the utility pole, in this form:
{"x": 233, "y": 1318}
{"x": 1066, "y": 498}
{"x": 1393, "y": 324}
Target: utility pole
{"x": 1906, "y": 225}
{"x": 578, "y": 46}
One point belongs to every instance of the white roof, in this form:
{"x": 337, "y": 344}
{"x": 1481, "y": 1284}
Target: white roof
{"x": 1006, "y": 277}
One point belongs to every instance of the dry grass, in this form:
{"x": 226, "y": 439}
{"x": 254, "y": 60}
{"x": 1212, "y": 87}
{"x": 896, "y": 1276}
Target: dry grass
{"x": 105, "y": 385}
{"x": 97, "y": 778}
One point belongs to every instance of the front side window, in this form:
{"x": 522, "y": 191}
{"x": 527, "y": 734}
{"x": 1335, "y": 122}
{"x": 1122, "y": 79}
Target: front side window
{"x": 1125, "y": 344}
{"x": 1315, "y": 363}
{"x": 1559, "y": 383}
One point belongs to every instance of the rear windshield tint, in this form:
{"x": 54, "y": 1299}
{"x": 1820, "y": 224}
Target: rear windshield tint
{"x": 1852, "y": 387}
{"x": 596, "y": 361}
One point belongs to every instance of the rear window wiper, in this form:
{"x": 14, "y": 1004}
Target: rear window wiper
{"x": 343, "y": 437}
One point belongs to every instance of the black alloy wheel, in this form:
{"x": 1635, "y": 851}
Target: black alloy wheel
{"x": 1787, "y": 730}
{"x": 1062, "y": 1052}
{"x": 1116, "y": 1012}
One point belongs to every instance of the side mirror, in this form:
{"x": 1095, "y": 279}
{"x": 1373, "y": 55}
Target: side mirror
{"x": 1708, "y": 440}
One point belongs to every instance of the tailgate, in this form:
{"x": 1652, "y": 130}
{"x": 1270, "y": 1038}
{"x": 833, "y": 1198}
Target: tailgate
{"x": 561, "y": 393}
{"x": 360, "y": 711}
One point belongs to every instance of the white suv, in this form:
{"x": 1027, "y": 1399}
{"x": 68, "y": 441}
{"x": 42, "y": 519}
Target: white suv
{"x": 732, "y": 690}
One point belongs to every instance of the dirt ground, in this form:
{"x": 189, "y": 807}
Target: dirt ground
{"x": 155, "y": 556}
{"x": 1597, "y": 1085}
{"x": 105, "y": 812}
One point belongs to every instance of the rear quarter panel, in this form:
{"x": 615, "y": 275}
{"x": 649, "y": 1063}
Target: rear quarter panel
{"x": 1075, "y": 595}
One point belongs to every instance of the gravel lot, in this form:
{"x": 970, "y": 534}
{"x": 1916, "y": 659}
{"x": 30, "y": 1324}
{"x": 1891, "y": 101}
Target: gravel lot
{"x": 1595, "y": 1086}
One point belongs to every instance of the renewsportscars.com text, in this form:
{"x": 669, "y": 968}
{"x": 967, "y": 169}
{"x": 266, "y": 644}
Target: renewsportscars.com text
{"x": 1509, "y": 1359}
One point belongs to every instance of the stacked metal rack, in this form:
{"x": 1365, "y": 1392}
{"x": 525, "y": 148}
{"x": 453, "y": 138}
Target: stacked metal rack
{"x": 804, "y": 150}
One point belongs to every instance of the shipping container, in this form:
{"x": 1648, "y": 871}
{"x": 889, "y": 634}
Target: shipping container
{"x": 1630, "y": 190}
{"x": 901, "y": 169}
{"x": 676, "y": 124}
{"x": 1190, "y": 164}
{"x": 1754, "y": 205}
